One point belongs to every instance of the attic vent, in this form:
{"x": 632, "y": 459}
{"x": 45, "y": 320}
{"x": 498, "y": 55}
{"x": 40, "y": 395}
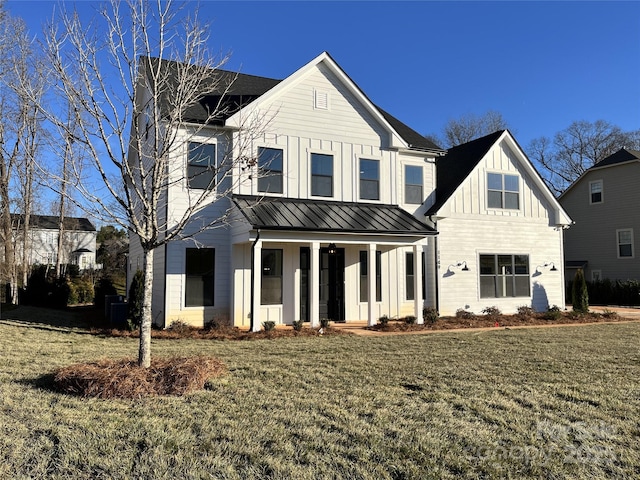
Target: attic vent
{"x": 321, "y": 100}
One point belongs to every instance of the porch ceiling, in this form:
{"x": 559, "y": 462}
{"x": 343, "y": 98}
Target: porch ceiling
{"x": 322, "y": 216}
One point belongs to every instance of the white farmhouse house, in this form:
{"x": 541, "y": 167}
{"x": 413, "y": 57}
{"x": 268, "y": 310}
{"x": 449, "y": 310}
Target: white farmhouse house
{"x": 79, "y": 240}
{"x": 347, "y": 214}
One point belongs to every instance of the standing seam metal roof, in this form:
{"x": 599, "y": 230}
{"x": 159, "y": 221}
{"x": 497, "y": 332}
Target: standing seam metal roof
{"x": 325, "y": 216}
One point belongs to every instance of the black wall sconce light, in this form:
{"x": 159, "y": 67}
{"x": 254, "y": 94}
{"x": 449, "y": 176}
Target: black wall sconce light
{"x": 332, "y": 249}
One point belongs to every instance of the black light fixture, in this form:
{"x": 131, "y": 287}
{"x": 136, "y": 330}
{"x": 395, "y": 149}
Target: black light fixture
{"x": 332, "y": 249}
{"x": 553, "y": 267}
{"x": 465, "y": 268}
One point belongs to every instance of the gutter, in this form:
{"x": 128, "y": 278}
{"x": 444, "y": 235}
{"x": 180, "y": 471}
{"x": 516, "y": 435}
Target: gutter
{"x": 253, "y": 259}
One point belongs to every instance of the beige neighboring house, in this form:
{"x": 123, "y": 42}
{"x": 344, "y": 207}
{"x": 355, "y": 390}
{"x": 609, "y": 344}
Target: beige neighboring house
{"x": 604, "y": 203}
{"x": 349, "y": 214}
{"x": 79, "y": 240}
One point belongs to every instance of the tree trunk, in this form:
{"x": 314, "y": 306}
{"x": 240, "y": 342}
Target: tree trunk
{"x": 144, "y": 354}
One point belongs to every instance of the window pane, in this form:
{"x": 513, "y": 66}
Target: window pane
{"x": 413, "y": 175}
{"x": 596, "y": 197}
{"x": 522, "y": 286}
{"x": 270, "y": 167}
{"x": 271, "y": 285}
{"x": 511, "y": 200}
{"x": 487, "y": 265}
{"x": 487, "y": 287}
{"x": 503, "y": 285}
{"x": 369, "y": 190}
{"x": 521, "y": 263}
{"x": 369, "y": 169}
{"x": 413, "y": 194}
{"x": 322, "y": 186}
{"x": 378, "y": 276}
{"x": 321, "y": 164}
{"x": 494, "y": 199}
{"x": 624, "y": 236}
{"x": 202, "y": 154}
{"x": 494, "y": 181}
{"x": 625, "y": 251}
{"x": 505, "y": 265}
{"x": 511, "y": 183}
{"x": 199, "y": 275}
{"x": 201, "y": 165}
{"x": 409, "y": 276}
{"x": 364, "y": 286}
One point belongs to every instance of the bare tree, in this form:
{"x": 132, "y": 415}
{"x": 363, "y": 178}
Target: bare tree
{"x": 577, "y": 148}
{"x": 135, "y": 120}
{"x": 469, "y": 127}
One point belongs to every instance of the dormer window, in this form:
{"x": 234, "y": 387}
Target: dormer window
{"x": 503, "y": 191}
{"x": 595, "y": 192}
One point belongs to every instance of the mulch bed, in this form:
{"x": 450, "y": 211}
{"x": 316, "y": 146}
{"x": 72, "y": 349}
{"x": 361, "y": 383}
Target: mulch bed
{"x": 125, "y": 379}
{"x": 499, "y": 321}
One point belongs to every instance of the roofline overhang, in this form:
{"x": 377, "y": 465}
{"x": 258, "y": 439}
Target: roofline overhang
{"x": 593, "y": 169}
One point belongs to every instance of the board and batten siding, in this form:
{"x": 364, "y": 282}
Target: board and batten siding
{"x": 593, "y": 237}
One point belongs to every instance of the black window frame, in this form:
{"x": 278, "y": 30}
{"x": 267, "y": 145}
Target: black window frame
{"x": 502, "y": 197}
{"x": 364, "y": 276}
{"x": 410, "y": 189}
{"x": 201, "y": 177}
{"x": 507, "y": 283}
{"x": 366, "y": 184}
{"x": 271, "y": 276}
{"x": 268, "y": 174}
{"x": 318, "y": 174}
{"x": 199, "y": 280}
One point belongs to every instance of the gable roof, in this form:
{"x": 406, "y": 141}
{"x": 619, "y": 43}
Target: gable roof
{"x": 455, "y": 166}
{"x": 233, "y": 91}
{"x": 621, "y": 156}
{"x": 50, "y": 222}
{"x": 326, "y": 216}
{"x": 458, "y": 163}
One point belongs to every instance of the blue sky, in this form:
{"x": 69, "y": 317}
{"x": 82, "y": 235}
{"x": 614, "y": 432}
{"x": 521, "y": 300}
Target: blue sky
{"x": 541, "y": 64}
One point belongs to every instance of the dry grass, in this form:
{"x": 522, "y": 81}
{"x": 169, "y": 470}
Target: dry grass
{"x": 125, "y": 379}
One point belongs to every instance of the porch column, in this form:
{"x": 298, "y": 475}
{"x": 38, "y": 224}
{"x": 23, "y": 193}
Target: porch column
{"x": 418, "y": 302}
{"x": 314, "y": 285}
{"x": 371, "y": 279}
{"x": 256, "y": 286}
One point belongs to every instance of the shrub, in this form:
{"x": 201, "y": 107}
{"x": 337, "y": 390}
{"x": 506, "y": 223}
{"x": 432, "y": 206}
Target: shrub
{"x": 268, "y": 325}
{"x": 430, "y": 315}
{"x": 579, "y": 293}
{"x": 461, "y": 313}
{"x": 211, "y": 325}
{"x": 297, "y": 325}
{"x": 491, "y": 312}
{"x": 553, "y": 313}
{"x": 179, "y": 326}
{"x": 606, "y": 313}
{"x": 103, "y": 287}
{"x": 410, "y": 319}
{"x": 324, "y": 323}
{"x": 525, "y": 311}
{"x": 383, "y": 320}
{"x": 136, "y": 298}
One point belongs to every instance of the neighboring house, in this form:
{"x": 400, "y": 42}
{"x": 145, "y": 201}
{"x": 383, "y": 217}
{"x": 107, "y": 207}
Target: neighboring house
{"x": 603, "y": 202}
{"x": 79, "y": 240}
{"x": 330, "y": 221}
{"x": 500, "y": 230}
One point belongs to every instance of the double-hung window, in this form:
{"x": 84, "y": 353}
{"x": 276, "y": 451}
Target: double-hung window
{"x": 199, "y": 273}
{"x": 369, "y": 179}
{"x": 413, "y": 184}
{"x": 364, "y": 276}
{"x": 410, "y": 277}
{"x": 270, "y": 170}
{"x": 504, "y": 276}
{"x": 625, "y": 242}
{"x": 503, "y": 191}
{"x": 271, "y": 292}
{"x": 201, "y": 165}
{"x": 321, "y": 175}
{"x": 595, "y": 192}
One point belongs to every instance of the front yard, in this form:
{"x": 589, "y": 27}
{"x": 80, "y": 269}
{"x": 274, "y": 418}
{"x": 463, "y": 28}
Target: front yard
{"x": 501, "y": 403}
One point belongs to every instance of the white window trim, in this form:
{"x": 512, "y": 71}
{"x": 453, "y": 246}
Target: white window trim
{"x": 403, "y": 192}
{"x": 601, "y": 192}
{"x": 357, "y": 178}
{"x": 311, "y": 151}
{"x": 633, "y": 251}
{"x": 284, "y": 170}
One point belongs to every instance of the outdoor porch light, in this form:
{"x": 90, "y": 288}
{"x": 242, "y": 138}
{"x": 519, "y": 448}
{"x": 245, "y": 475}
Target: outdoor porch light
{"x": 546, "y": 265}
{"x": 462, "y": 264}
{"x": 332, "y": 249}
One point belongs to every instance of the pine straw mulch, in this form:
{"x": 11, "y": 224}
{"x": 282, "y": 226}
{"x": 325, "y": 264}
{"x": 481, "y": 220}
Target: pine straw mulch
{"x": 223, "y": 333}
{"x": 499, "y": 321}
{"x": 125, "y": 379}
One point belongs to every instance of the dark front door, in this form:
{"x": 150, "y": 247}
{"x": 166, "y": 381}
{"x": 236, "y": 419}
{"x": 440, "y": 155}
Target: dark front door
{"x": 332, "y": 284}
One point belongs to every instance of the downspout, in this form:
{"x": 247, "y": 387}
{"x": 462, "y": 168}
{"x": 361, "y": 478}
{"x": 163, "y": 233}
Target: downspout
{"x": 435, "y": 262}
{"x": 253, "y": 257}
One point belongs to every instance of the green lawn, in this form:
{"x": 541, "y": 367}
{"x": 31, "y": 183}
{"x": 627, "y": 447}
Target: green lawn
{"x": 536, "y": 403}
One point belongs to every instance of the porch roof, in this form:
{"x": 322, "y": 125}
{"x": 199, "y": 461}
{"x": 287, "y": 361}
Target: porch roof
{"x": 322, "y": 216}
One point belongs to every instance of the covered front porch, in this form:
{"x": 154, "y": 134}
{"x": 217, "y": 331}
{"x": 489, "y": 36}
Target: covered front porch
{"x": 299, "y": 260}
